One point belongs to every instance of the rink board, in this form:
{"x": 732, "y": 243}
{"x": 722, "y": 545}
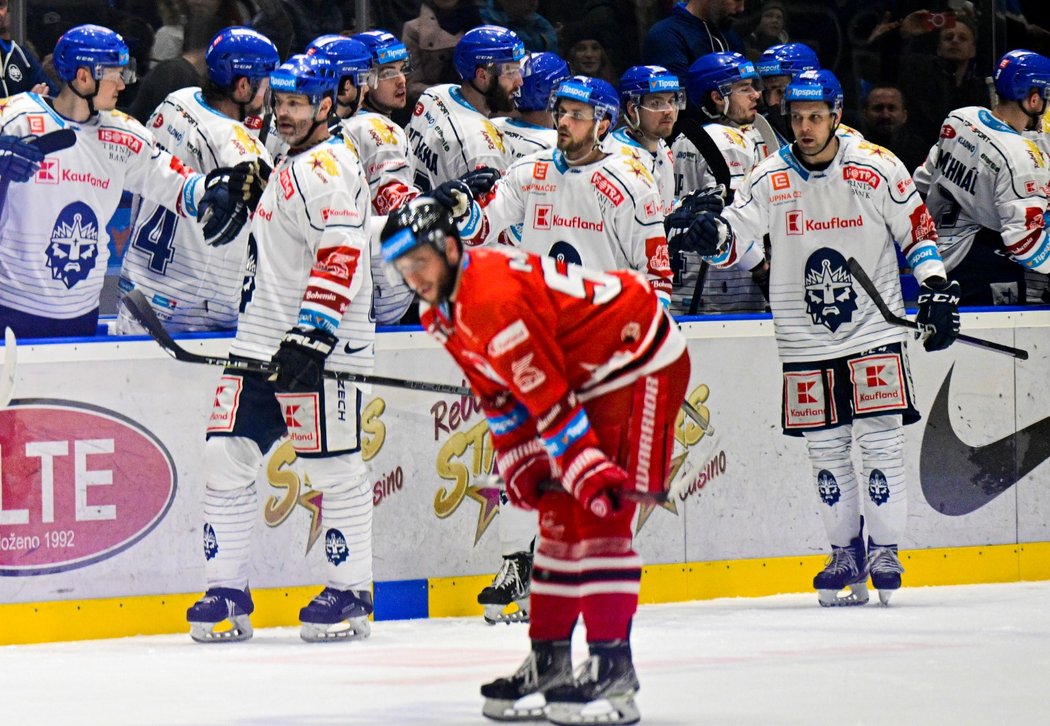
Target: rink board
{"x": 101, "y": 483}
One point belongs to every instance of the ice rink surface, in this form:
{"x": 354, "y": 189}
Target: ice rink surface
{"x": 977, "y": 654}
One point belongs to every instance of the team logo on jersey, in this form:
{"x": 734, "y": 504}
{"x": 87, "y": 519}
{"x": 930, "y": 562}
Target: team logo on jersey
{"x": 565, "y": 252}
{"x": 874, "y": 149}
{"x": 335, "y": 548}
{"x": 780, "y": 181}
{"x": 922, "y": 226}
{"x": 73, "y": 251}
{"x": 48, "y": 172}
{"x": 830, "y": 298}
{"x": 878, "y": 488}
{"x": 36, "y": 124}
{"x": 245, "y": 142}
{"x": 211, "y": 542}
{"x": 323, "y": 161}
{"x": 14, "y": 73}
{"x": 828, "y": 488}
{"x": 734, "y": 137}
{"x": 382, "y": 132}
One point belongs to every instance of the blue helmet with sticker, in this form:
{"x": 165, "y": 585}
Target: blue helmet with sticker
{"x": 485, "y": 45}
{"x": 384, "y": 47}
{"x": 717, "y": 72}
{"x": 1019, "y": 71}
{"x": 309, "y": 75}
{"x": 238, "y": 51}
{"x": 89, "y": 46}
{"x": 819, "y": 85}
{"x": 540, "y": 75}
{"x": 349, "y": 58}
{"x": 592, "y": 91}
{"x": 637, "y": 81}
{"x": 786, "y": 59}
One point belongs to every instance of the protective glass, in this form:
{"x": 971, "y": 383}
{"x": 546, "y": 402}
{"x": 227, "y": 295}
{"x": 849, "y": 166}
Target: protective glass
{"x": 560, "y": 113}
{"x": 116, "y": 74}
{"x": 661, "y": 104}
{"x": 511, "y": 68}
{"x": 389, "y": 73}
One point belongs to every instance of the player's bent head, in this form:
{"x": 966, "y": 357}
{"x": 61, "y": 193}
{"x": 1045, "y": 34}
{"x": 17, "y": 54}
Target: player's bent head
{"x": 421, "y": 245}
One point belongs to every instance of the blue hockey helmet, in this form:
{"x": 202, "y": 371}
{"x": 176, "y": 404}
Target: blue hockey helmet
{"x": 592, "y": 91}
{"x": 818, "y": 85}
{"x": 786, "y": 59}
{"x": 638, "y": 81}
{"x": 384, "y": 47}
{"x": 89, "y": 46}
{"x": 540, "y": 75}
{"x": 485, "y": 45}
{"x": 239, "y": 51}
{"x": 717, "y": 72}
{"x": 309, "y": 75}
{"x": 349, "y": 58}
{"x": 1019, "y": 71}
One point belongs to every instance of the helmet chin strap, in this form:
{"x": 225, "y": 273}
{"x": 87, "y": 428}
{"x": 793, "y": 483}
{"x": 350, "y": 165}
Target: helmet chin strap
{"x": 1033, "y": 118}
{"x": 90, "y": 97}
{"x": 831, "y": 137}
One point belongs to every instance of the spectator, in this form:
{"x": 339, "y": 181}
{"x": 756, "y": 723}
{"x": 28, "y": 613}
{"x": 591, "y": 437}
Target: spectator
{"x": 619, "y": 24}
{"x": 535, "y": 31}
{"x": 770, "y": 29}
{"x": 20, "y": 70}
{"x": 585, "y": 52}
{"x": 885, "y": 122}
{"x": 693, "y": 29}
{"x": 292, "y": 24}
{"x": 431, "y": 38}
{"x": 167, "y": 41}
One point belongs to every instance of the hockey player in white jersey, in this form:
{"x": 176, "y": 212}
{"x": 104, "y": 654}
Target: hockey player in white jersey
{"x": 449, "y": 133}
{"x": 53, "y": 246}
{"x": 651, "y": 98}
{"x": 846, "y": 379}
{"x": 306, "y": 311}
{"x": 777, "y": 66}
{"x": 190, "y": 284}
{"x": 576, "y": 202}
{"x": 533, "y": 129}
{"x": 986, "y": 186}
{"x": 723, "y": 89}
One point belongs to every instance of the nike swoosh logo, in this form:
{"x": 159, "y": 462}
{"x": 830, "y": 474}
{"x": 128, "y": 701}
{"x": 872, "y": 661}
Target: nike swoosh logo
{"x": 957, "y": 478}
{"x": 350, "y": 351}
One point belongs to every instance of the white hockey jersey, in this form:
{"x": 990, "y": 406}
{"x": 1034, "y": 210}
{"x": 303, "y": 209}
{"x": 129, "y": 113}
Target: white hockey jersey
{"x": 982, "y": 173}
{"x": 816, "y": 220}
{"x": 312, "y": 258}
{"x": 604, "y": 215}
{"x": 54, "y": 245}
{"x": 524, "y": 139}
{"x": 190, "y": 284}
{"x": 448, "y": 137}
{"x": 659, "y": 162}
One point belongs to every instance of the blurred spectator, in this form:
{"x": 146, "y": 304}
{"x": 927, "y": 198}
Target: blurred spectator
{"x": 20, "y": 69}
{"x": 292, "y": 24}
{"x": 167, "y": 42}
{"x": 693, "y": 29}
{"x": 885, "y": 122}
{"x": 535, "y": 31}
{"x": 619, "y": 24}
{"x": 770, "y": 29}
{"x": 47, "y": 20}
{"x": 430, "y": 40}
{"x": 584, "y": 50}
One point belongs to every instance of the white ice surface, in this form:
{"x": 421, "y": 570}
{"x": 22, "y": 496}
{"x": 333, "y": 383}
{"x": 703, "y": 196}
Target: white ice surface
{"x": 976, "y": 654}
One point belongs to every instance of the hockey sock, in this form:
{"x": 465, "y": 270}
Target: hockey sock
{"x": 346, "y": 519}
{"x": 881, "y": 442}
{"x": 829, "y": 454}
{"x": 610, "y": 595}
{"x": 555, "y": 600}
{"x": 229, "y": 517}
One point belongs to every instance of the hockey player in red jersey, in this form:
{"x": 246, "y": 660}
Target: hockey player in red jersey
{"x": 581, "y": 375}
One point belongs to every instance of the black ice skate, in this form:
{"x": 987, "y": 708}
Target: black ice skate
{"x": 602, "y": 691}
{"x": 511, "y": 585}
{"x": 336, "y": 615}
{"x": 885, "y": 569}
{"x": 221, "y": 606}
{"x": 845, "y": 568}
{"x": 520, "y": 697}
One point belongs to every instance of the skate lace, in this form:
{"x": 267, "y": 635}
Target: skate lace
{"x": 589, "y": 671}
{"x": 529, "y": 673}
{"x": 328, "y": 596}
{"x": 841, "y": 560}
{"x": 883, "y": 560}
{"x": 508, "y": 574}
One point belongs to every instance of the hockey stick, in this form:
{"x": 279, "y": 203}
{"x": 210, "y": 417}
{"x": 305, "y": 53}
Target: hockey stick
{"x": 47, "y": 144}
{"x": 7, "y": 379}
{"x": 765, "y": 130}
{"x": 139, "y": 307}
{"x": 890, "y": 317}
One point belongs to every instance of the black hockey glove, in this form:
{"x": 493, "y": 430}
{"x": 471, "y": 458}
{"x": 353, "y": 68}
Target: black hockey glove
{"x": 706, "y": 200}
{"x": 480, "y": 181}
{"x": 222, "y": 210}
{"x": 707, "y": 236}
{"x": 19, "y": 160}
{"x": 300, "y": 360}
{"x": 454, "y": 195}
{"x": 938, "y": 313}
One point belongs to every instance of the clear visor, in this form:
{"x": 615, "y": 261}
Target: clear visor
{"x": 393, "y": 71}
{"x": 125, "y": 74}
{"x": 658, "y": 104}
{"x": 510, "y": 68}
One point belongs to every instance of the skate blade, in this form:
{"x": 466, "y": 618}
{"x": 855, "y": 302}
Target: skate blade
{"x": 353, "y": 629}
{"x": 233, "y": 630}
{"x": 610, "y": 710}
{"x": 858, "y": 595}
{"x": 529, "y": 708}
{"x": 885, "y": 595}
{"x": 496, "y": 613}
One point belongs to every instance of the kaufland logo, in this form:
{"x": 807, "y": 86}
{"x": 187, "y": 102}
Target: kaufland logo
{"x": 794, "y": 222}
{"x": 49, "y": 171}
{"x": 542, "y": 218}
{"x": 797, "y": 224}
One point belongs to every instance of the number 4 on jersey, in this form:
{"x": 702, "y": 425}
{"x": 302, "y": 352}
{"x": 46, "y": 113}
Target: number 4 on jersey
{"x": 155, "y": 239}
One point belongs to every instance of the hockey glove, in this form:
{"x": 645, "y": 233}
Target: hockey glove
{"x": 938, "y": 316}
{"x": 455, "y": 195}
{"x": 480, "y": 181}
{"x": 300, "y": 360}
{"x": 19, "y": 160}
{"x": 222, "y": 210}
{"x": 711, "y": 200}
{"x": 707, "y": 236}
{"x": 595, "y": 481}
{"x": 524, "y": 468}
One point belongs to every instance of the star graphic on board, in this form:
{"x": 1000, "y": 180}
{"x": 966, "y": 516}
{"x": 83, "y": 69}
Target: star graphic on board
{"x": 488, "y": 498}
{"x": 644, "y": 510}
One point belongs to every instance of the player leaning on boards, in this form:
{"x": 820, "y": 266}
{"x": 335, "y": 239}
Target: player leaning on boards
{"x": 986, "y": 185}
{"x": 307, "y": 309}
{"x": 53, "y": 246}
{"x": 581, "y": 374}
{"x": 822, "y": 200}
{"x": 190, "y": 284}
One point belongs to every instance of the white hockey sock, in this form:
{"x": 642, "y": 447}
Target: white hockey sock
{"x": 517, "y": 528}
{"x": 346, "y": 519}
{"x": 229, "y": 517}
{"x": 881, "y": 442}
{"x": 829, "y": 454}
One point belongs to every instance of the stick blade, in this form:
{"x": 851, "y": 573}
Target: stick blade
{"x": 140, "y": 309}
{"x": 55, "y": 141}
